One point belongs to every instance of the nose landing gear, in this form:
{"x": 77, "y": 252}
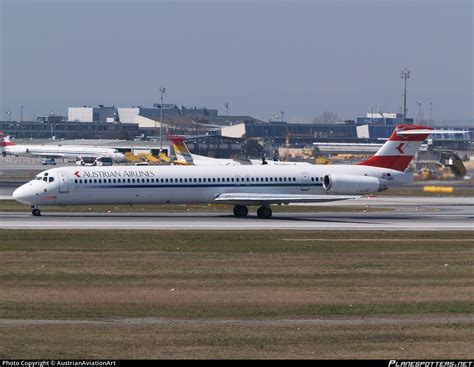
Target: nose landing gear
{"x": 35, "y": 211}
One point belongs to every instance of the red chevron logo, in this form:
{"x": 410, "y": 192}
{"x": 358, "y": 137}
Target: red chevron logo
{"x": 399, "y": 148}
{"x": 77, "y": 174}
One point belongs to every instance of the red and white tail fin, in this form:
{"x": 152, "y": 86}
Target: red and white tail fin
{"x": 5, "y": 140}
{"x": 400, "y": 148}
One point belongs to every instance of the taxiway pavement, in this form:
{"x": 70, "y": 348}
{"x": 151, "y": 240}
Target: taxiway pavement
{"x": 439, "y": 218}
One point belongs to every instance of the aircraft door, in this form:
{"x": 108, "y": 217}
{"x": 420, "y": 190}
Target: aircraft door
{"x": 63, "y": 182}
{"x": 304, "y": 181}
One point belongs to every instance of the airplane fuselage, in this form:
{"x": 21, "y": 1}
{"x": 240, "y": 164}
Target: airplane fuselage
{"x": 193, "y": 184}
{"x": 59, "y": 151}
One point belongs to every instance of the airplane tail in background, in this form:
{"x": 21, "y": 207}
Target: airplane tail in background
{"x": 400, "y": 148}
{"x": 183, "y": 155}
{"x": 5, "y": 140}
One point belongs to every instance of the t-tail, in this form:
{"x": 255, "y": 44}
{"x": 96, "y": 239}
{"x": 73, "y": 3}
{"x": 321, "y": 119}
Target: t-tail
{"x": 400, "y": 148}
{"x": 183, "y": 155}
{"x": 4, "y": 142}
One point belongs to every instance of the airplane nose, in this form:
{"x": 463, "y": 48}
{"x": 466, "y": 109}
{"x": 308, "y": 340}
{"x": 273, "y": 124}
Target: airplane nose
{"x": 21, "y": 195}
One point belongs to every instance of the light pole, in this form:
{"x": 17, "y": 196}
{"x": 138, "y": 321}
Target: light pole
{"x": 405, "y": 75}
{"x": 226, "y": 105}
{"x": 162, "y": 91}
{"x": 9, "y": 116}
{"x": 21, "y": 113}
{"x": 431, "y": 112}
{"x": 419, "y": 111}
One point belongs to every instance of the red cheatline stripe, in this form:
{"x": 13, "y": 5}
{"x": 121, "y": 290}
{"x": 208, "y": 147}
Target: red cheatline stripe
{"x": 399, "y": 163}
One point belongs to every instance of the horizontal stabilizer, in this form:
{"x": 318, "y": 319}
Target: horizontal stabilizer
{"x": 258, "y": 199}
{"x": 426, "y": 131}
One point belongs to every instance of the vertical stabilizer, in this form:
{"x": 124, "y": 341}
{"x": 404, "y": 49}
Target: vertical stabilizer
{"x": 183, "y": 155}
{"x": 400, "y": 148}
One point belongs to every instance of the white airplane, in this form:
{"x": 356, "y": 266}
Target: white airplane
{"x": 186, "y": 158}
{"x": 57, "y": 151}
{"x": 241, "y": 185}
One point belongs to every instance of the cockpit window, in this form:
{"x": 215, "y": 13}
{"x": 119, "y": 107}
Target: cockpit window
{"x": 51, "y": 179}
{"x": 45, "y": 179}
{"x": 39, "y": 178}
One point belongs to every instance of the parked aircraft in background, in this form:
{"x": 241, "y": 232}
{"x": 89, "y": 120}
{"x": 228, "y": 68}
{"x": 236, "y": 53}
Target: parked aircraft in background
{"x": 241, "y": 185}
{"x": 186, "y": 158}
{"x": 57, "y": 151}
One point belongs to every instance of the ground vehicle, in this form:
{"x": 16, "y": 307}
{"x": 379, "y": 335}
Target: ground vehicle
{"x": 94, "y": 161}
{"x": 104, "y": 161}
{"x": 86, "y": 161}
{"x": 46, "y": 161}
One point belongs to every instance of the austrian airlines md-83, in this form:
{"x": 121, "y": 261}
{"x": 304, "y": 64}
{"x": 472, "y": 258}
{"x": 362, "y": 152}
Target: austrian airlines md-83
{"x": 241, "y": 185}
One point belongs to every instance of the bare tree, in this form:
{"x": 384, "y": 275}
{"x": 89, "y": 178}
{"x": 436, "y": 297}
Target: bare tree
{"x": 326, "y": 118}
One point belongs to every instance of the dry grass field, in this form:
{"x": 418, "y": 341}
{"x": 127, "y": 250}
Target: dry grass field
{"x": 254, "y": 294}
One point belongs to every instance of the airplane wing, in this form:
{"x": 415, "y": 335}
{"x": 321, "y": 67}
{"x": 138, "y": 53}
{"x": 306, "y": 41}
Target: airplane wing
{"x": 64, "y": 155}
{"x": 257, "y": 199}
{"x": 50, "y": 155}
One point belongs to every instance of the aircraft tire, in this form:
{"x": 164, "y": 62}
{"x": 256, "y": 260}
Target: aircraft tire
{"x": 264, "y": 213}
{"x": 36, "y": 212}
{"x": 240, "y": 211}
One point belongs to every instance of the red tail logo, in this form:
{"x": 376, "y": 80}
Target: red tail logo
{"x": 4, "y": 140}
{"x": 400, "y": 149}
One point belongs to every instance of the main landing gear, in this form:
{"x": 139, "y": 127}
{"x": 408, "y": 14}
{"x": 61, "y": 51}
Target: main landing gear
{"x": 240, "y": 211}
{"x": 35, "y": 211}
{"x": 264, "y": 212}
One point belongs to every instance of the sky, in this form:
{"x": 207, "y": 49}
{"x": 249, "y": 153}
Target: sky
{"x": 262, "y": 57}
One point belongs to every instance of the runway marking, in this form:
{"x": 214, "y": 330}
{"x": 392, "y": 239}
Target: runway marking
{"x": 362, "y": 321}
{"x": 378, "y": 239}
